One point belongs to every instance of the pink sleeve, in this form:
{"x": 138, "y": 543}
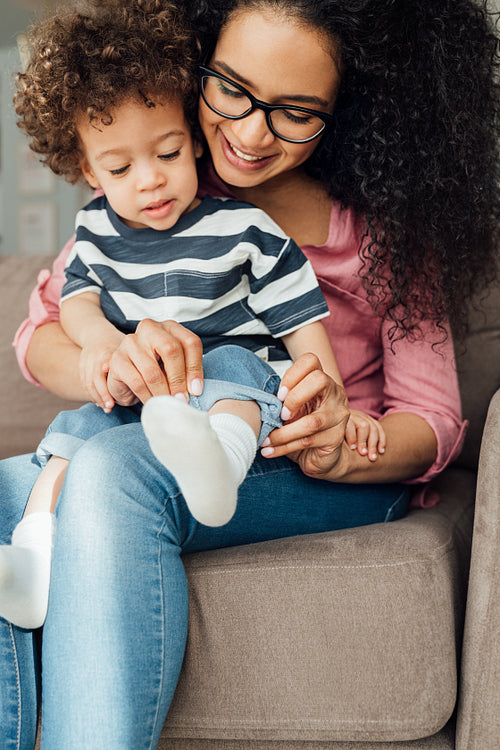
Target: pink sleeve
{"x": 422, "y": 379}
{"x": 43, "y": 307}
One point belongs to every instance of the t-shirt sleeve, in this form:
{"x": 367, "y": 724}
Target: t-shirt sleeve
{"x": 79, "y": 274}
{"x": 284, "y": 291}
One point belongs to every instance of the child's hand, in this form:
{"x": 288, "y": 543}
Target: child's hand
{"x": 94, "y": 366}
{"x": 365, "y": 434}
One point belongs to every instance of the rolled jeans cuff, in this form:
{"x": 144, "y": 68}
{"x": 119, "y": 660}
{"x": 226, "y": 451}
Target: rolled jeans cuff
{"x": 58, "y": 444}
{"x": 218, "y": 390}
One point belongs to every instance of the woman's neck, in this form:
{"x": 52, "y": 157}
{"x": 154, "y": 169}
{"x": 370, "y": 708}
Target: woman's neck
{"x": 296, "y": 202}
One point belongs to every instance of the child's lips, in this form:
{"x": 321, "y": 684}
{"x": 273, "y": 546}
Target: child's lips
{"x": 159, "y": 209}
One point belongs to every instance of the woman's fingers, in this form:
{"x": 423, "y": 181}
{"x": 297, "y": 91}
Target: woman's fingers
{"x": 180, "y": 352}
{"x": 296, "y": 373}
{"x": 158, "y": 359}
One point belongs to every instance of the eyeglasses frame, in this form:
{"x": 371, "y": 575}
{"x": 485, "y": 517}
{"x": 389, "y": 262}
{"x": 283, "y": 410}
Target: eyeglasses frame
{"x": 268, "y": 109}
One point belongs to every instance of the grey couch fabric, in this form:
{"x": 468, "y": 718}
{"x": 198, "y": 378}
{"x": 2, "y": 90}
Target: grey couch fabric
{"x": 352, "y": 639}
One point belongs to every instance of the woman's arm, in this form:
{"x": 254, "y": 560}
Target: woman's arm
{"x": 54, "y": 361}
{"x": 314, "y": 435}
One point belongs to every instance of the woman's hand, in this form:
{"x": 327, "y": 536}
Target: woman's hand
{"x": 316, "y": 415}
{"x": 158, "y": 359}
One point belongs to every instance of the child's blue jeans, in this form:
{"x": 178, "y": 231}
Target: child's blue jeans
{"x": 231, "y": 372}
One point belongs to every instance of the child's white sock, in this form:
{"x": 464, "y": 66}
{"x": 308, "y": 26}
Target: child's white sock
{"x": 25, "y": 571}
{"x": 209, "y": 455}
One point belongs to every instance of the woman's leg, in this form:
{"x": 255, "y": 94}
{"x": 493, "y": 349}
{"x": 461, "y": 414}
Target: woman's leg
{"x": 116, "y": 629}
{"x": 18, "y": 652}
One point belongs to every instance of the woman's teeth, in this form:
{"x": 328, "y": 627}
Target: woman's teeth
{"x": 246, "y": 157}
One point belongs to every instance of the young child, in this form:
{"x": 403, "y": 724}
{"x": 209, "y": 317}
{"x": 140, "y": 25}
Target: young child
{"x": 109, "y": 95}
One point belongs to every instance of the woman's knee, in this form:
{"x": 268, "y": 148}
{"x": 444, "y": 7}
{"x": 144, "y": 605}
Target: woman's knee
{"x": 114, "y": 475}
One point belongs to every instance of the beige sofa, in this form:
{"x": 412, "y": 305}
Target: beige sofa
{"x": 350, "y": 639}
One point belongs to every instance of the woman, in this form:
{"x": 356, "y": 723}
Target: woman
{"x": 405, "y": 173}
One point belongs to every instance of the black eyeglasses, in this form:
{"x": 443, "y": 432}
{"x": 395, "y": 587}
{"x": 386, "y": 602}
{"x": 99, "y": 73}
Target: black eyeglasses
{"x": 229, "y": 99}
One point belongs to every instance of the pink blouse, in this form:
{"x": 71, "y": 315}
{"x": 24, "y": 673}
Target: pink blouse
{"x": 414, "y": 377}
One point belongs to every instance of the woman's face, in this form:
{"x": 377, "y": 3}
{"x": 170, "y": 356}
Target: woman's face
{"x": 279, "y": 61}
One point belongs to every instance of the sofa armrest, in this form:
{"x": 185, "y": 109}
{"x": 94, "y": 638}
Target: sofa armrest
{"x": 478, "y": 725}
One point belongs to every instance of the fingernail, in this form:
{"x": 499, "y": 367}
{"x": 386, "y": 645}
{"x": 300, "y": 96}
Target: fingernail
{"x": 267, "y": 441}
{"x": 196, "y": 387}
{"x": 353, "y": 447}
{"x": 267, "y": 452}
{"x": 364, "y": 451}
{"x": 381, "y": 450}
{"x": 285, "y": 413}
{"x": 182, "y": 397}
{"x": 282, "y": 393}
{"x": 109, "y": 405}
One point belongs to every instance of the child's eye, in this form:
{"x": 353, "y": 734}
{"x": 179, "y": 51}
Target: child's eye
{"x": 119, "y": 171}
{"x": 171, "y": 156}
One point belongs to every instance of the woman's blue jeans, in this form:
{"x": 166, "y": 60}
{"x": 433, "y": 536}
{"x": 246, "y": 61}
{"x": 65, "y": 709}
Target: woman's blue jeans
{"x": 114, "y": 638}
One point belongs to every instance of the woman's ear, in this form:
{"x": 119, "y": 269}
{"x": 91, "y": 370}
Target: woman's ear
{"x": 88, "y": 173}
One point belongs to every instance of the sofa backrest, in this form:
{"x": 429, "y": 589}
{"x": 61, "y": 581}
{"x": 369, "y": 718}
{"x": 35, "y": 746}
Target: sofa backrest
{"x": 26, "y": 411}
{"x": 478, "y": 366}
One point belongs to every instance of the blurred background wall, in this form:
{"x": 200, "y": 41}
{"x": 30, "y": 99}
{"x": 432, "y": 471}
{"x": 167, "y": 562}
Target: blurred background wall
{"x": 37, "y": 210}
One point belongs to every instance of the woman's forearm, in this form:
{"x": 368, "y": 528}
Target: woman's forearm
{"x": 411, "y": 450}
{"x": 53, "y": 359}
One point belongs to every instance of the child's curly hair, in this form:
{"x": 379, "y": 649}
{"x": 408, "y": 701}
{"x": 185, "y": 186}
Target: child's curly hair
{"x": 414, "y": 145}
{"x": 88, "y": 61}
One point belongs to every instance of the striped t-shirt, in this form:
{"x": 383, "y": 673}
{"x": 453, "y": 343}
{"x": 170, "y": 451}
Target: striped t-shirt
{"x": 225, "y": 271}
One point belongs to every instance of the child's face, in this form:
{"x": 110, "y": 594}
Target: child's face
{"x": 144, "y": 161}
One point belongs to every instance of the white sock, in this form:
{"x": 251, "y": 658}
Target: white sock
{"x": 209, "y": 455}
{"x": 25, "y": 571}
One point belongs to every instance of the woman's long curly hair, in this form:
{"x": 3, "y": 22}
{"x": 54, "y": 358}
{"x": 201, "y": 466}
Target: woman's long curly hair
{"x": 414, "y": 144}
{"x": 86, "y": 62}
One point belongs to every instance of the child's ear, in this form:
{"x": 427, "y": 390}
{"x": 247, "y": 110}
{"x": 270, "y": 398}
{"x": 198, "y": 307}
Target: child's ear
{"x": 88, "y": 174}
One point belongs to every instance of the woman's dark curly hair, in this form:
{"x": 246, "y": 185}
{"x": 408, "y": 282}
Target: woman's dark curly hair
{"x": 414, "y": 144}
{"x": 88, "y": 61}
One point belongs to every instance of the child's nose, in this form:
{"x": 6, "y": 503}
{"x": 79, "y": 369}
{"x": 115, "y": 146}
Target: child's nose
{"x": 150, "y": 176}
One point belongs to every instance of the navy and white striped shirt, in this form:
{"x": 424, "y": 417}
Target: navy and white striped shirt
{"x": 225, "y": 270}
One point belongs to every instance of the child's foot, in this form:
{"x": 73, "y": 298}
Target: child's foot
{"x": 209, "y": 455}
{"x": 25, "y": 571}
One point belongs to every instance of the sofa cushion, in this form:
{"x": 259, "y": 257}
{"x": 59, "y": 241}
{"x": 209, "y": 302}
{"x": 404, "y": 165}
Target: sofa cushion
{"x": 444, "y": 740}
{"x": 346, "y": 636}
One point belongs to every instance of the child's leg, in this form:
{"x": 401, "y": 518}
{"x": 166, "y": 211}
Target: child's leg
{"x": 209, "y": 454}
{"x": 25, "y": 563}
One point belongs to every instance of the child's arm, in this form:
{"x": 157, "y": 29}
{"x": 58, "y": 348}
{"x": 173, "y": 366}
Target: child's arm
{"x": 83, "y": 321}
{"x": 363, "y": 432}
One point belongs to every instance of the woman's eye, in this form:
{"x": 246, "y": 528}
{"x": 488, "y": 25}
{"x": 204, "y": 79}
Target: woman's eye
{"x": 226, "y": 90}
{"x": 301, "y": 118}
{"x": 171, "y": 156}
{"x": 120, "y": 171}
